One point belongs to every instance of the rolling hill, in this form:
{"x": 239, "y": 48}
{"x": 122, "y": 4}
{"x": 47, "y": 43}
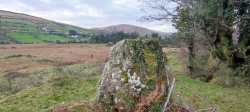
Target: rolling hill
{"x": 128, "y": 29}
{"x": 22, "y": 28}
{"x": 27, "y": 29}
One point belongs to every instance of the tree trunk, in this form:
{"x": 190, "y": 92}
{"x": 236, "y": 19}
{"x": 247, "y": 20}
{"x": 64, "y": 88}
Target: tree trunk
{"x": 191, "y": 55}
{"x": 235, "y": 54}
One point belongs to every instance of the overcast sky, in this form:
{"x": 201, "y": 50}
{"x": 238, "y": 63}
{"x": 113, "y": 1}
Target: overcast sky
{"x": 85, "y": 13}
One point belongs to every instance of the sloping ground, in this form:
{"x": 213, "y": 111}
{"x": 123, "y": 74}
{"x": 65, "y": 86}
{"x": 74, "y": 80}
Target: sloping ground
{"x": 129, "y": 29}
{"x": 40, "y": 38}
{"x": 23, "y": 22}
{"x": 25, "y": 38}
{"x": 11, "y": 22}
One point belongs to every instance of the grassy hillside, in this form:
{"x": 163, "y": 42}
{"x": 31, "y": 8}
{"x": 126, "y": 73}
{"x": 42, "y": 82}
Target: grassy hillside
{"x": 54, "y": 38}
{"x": 23, "y": 37}
{"x": 21, "y": 28}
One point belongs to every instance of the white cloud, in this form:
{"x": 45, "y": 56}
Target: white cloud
{"x": 124, "y": 2}
{"x": 91, "y": 12}
{"x": 166, "y": 28}
{"x": 84, "y": 13}
{"x": 67, "y": 13}
{"x": 46, "y": 1}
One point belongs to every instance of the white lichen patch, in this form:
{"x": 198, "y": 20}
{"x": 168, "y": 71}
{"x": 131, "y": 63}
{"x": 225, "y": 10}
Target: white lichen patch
{"x": 113, "y": 80}
{"x": 122, "y": 79}
{"x": 117, "y": 87}
{"x": 135, "y": 82}
{"x": 126, "y": 65}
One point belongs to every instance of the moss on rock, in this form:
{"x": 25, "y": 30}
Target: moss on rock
{"x": 134, "y": 70}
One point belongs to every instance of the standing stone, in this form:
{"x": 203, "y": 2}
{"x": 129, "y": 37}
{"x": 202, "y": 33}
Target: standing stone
{"x": 134, "y": 78}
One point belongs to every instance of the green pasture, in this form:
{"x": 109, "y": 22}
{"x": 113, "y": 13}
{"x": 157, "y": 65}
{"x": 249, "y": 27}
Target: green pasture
{"x": 35, "y": 37}
{"x": 25, "y": 37}
{"x": 54, "y": 38}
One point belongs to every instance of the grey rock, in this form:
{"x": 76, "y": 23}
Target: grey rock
{"x": 134, "y": 69}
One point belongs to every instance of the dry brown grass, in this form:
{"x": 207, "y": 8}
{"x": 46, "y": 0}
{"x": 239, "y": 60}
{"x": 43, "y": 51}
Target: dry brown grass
{"x": 34, "y": 55}
{"x": 24, "y": 56}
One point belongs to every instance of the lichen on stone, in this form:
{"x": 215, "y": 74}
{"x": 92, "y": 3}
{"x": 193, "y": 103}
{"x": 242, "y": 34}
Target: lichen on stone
{"x": 135, "y": 68}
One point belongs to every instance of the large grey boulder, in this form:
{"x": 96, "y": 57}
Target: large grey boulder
{"x": 134, "y": 78}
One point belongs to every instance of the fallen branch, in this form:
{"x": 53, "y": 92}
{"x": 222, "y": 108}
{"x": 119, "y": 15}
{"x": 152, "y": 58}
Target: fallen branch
{"x": 213, "y": 109}
{"x": 169, "y": 95}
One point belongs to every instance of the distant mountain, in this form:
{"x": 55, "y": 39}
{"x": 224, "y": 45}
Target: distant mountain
{"x": 23, "y": 28}
{"x": 126, "y": 28}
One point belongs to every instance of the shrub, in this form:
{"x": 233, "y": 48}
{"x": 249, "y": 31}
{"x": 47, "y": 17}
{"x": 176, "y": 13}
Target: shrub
{"x": 61, "y": 81}
{"x": 15, "y": 75}
{"x": 14, "y": 82}
{"x": 209, "y": 69}
{"x": 244, "y": 70}
{"x": 224, "y": 76}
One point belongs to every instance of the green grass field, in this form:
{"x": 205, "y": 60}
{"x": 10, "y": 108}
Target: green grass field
{"x": 30, "y": 24}
{"x": 191, "y": 91}
{"x": 21, "y": 25}
{"x": 64, "y": 86}
{"x": 54, "y": 38}
{"x": 54, "y": 86}
{"x": 25, "y": 37}
{"x": 36, "y": 37}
